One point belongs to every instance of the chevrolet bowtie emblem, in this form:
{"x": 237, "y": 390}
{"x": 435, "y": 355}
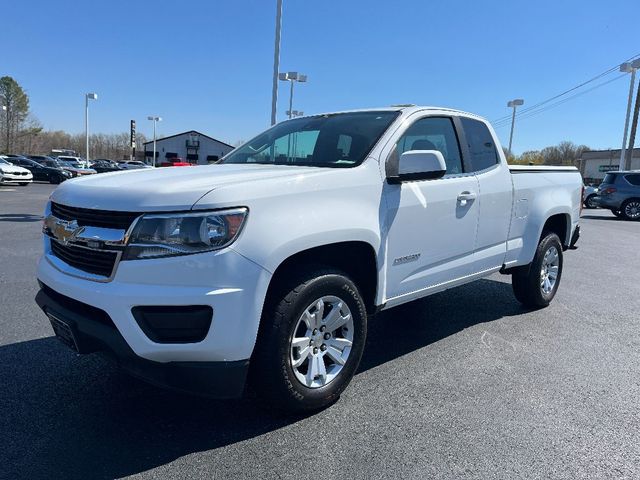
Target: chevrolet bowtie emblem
{"x": 64, "y": 231}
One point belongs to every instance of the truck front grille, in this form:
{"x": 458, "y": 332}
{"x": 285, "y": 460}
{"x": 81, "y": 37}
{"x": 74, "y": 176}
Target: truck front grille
{"x": 97, "y": 262}
{"x": 94, "y": 218}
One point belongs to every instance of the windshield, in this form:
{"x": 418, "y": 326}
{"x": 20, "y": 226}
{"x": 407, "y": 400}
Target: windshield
{"x": 4, "y": 162}
{"x": 335, "y": 140}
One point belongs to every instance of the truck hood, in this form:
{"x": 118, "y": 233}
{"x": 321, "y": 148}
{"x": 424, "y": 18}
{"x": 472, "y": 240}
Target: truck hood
{"x": 163, "y": 189}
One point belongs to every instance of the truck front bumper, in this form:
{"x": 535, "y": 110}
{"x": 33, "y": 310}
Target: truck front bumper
{"x": 89, "y": 329}
{"x": 102, "y": 316}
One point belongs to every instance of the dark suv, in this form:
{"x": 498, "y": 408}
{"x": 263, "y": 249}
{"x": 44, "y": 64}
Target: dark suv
{"x": 620, "y": 193}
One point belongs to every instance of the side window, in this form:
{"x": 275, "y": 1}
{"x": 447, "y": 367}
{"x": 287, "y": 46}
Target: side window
{"x": 633, "y": 179}
{"x": 431, "y": 133}
{"x": 482, "y": 149}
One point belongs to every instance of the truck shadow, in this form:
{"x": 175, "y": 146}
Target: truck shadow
{"x": 65, "y": 416}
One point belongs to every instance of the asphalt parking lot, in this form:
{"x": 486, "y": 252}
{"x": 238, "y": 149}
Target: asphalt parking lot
{"x": 463, "y": 384}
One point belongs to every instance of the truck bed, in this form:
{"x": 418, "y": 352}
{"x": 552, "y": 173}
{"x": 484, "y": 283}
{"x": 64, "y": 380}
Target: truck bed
{"x": 537, "y": 190}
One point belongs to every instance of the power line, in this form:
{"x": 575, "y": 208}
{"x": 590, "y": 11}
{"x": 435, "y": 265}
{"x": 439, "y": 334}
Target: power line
{"x": 560, "y": 102}
{"x": 544, "y": 102}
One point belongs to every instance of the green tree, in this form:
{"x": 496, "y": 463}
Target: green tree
{"x": 16, "y": 101}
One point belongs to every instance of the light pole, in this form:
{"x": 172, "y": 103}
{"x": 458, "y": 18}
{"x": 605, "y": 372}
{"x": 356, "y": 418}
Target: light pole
{"x": 513, "y": 104}
{"x": 276, "y": 62}
{"x": 628, "y": 67}
{"x": 292, "y": 77}
{"x": 87, "y": 97}
{"x": 155, "y": 120}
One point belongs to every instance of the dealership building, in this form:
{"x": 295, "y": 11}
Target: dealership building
{"x": 594, "y": 164}
{"x": 193, "y": 147}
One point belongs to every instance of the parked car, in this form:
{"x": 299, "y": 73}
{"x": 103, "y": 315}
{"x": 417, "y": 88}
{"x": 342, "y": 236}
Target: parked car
{"x": 194, "y": 281}
{"x": 132, "y": 165}
{"x": 174, "y": 162}
{"x": 102, "y": 165}
{"x": 40, "y": 172}
{"x": 620, "y": 193}
{"x": 10, "y": 173}
{"x": 589, "y": 195}
{"x": 73, "y": 159}
{"x": 53, "y": 163}
{"x": 76, "y": 168}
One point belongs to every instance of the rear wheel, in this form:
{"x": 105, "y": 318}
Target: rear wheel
{"x": 630, "y": 209}
{"x": 310, "y": 342}
{"x": 536, "y": 284}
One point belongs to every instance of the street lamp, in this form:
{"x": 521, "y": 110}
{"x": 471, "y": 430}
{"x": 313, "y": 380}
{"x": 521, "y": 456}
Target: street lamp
{"x": 292, "y": 77}
{"x": 276, "y": 62}
{"x": 513, "y": 104}
{"x": 4, "y": 108}
{"x": 155, "y": 120}
{"x": 628, "y": 67}
{"x": 87, "y": 97}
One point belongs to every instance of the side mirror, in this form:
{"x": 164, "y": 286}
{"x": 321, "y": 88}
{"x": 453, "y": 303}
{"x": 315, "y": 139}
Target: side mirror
{"x": 420, "y": 165}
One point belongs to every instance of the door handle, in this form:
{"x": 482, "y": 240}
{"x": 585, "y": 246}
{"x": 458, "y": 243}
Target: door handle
{"x": 465, "y": 197}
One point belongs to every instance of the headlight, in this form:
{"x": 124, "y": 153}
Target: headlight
{"x": 184, "y": 233}
{"x": 66, "y": 174}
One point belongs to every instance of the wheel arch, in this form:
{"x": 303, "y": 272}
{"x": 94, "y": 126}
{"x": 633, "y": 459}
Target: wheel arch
{"x": 560, "y": 224}
{"x": 357, "y": 259}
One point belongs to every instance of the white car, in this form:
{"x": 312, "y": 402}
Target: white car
{"x": 133, "y": 165}
{"x": 268, "y": 265}
{"x": 75, "y": 161}
{"x": 589, "y": 196}
{"x": 10, "y": 173}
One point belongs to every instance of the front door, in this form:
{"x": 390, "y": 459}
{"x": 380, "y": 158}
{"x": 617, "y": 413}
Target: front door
{"x": 431, "y": 224}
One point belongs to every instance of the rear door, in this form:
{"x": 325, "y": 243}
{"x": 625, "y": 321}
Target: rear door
{"x": 431, "y": 224}
{"x": 495, "y": 195}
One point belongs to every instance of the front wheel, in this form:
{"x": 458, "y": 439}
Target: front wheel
{"x": 311, "y": 339}
{"x": 536, "y": 284}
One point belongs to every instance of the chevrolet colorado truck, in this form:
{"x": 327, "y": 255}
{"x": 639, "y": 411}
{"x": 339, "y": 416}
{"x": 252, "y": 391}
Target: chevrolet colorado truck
{"x": 264, "y": 269}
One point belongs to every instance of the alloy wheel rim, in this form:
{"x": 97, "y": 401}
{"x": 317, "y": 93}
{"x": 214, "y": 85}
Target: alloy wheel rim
{"x": 321, "y": 341}
{"x": 632, "y": 210}
{"x": 549, "y": 270}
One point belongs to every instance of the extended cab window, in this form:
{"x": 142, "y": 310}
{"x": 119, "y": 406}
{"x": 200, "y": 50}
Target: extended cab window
{"x": 482, "y": 149}
{"x": 430, "y": 133}
{"x": 336, "y": 140}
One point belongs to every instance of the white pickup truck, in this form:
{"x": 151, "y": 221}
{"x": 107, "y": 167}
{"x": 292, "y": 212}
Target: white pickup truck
{"x": 264, "y": 269}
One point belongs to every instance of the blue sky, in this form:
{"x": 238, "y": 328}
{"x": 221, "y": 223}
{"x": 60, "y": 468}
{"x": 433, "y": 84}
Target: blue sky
{"x": 207, "y": 64}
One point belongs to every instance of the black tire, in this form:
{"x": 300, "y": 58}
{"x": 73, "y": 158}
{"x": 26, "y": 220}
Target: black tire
{"x": 55, "y": 179}
{"x": 23, "y": 184}
{"x": 272, "y": 374}
{"x": 617, "y": 213}
{"x": 589, "y": 202}
{"x": 630, "y": 209}
{"x": 526, "y": 280}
